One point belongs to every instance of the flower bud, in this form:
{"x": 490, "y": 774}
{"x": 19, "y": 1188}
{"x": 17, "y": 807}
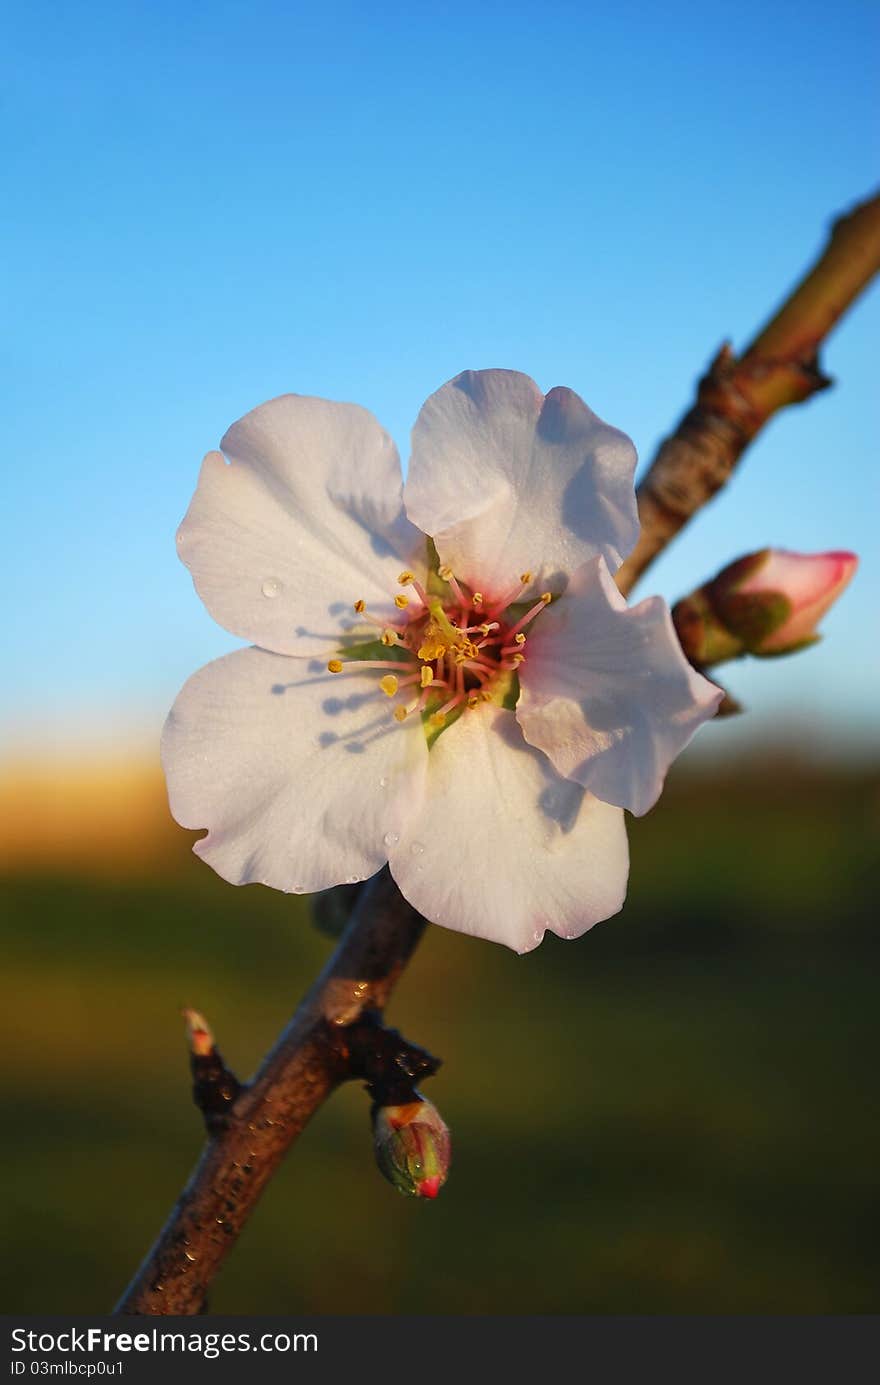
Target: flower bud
{"x": 413, "y": 1148}
{"x": 766, "y": 603}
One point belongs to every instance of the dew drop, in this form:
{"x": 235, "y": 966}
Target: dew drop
{"x": 391, "y": 838}
{"x": 383, "y": 783}
{"x": 270, "y": 586}
{"x": 417, "y": 848}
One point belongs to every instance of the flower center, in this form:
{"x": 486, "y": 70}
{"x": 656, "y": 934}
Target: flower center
{"x": 448, "y": 653}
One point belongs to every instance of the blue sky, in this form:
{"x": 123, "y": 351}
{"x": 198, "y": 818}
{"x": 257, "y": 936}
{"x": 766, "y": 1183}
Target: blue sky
{"x": 207, "y": 205}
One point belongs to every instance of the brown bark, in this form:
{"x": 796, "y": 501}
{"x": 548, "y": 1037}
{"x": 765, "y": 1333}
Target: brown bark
{"x": 305, "y": 1066}
{"x": 738, "y": 395}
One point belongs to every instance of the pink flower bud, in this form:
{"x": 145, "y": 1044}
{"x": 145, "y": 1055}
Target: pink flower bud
{"x": 810, "y": 583}
{"x": 768, "y": 602}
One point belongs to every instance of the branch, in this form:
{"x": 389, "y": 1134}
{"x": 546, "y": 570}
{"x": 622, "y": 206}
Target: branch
{"x": 253, "y": 1129}
{"x": 308, "y": 1062}
{"x": 739, "y": 395}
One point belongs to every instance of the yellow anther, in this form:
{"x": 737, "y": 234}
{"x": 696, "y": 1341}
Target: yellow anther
{"x": 518, "y": 659}
{"x": 388, "y": 684}
{"x": 389, "y": 636}
{"x": 485, "y": 629}
{"x": 477, "y": 598}
{"x": 426, "y": 677}
{"x": 525, "y": 578}
{"x": 473, "y": 700}
{"x": 334, "y": 666}
{"x": 360, "y": 606}
{"x": 400, "y": 714}
{"x": 401, "y": 601}
{"x": 546, "y": 597}
{"x": 444, "y": 573}
{"x": 520, "y": 638}
{"x": 466, "y": 649}
{"x": 405, "y": 578}
{"x": 437, "y": 719}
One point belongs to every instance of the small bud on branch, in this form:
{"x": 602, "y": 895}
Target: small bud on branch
{"x": 215, "y": 1088}
{"x": 766, "y": 603}
{"x": 413, "y": 1148}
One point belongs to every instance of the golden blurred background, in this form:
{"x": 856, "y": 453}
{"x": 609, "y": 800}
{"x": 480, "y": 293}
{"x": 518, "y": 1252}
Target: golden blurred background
{"x": 675, "y": 1114}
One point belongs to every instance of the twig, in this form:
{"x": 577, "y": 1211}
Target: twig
{"x": 310, "y": 1060}
{"x": 739, "y": 395}
{"x": 215, "y": 1088}
{"x": 304, "y": 1067}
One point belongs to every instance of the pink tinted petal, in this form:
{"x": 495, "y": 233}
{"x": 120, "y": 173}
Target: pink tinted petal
{"x": 504, "y": 848}
{"x": 298, "y": 776}
{"x": 607, "y": 693}
{"x": 303, "y": 520}
{"x": 812, "y": 582}
{"x": 507, "y": 480}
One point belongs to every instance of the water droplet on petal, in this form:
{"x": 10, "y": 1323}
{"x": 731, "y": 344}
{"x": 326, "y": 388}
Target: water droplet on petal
{"x": 417, "y": 848}
{"x": 383, "y": 783}
{"x": 271, "y": 586}
{"x": 538, "y": 934}
{"x": 391, "y": 838}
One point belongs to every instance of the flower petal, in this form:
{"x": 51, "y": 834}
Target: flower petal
{"x": 503, "y": 847}
{"x": 298, "y": 776}
{"x": 305, "y": 519}
{"x": 607, "y": 693}
{"x": 506, "y": 480}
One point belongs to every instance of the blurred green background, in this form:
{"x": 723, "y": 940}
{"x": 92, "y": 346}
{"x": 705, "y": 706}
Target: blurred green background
{"x": 675, "y": 1114}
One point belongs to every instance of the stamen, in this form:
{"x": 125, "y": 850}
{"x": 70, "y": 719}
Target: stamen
{"x": 514, "y": 594}
{"x": 445, "y": 573}
{"x": 405, "y": 578}
{"x": 401, "y": 601}
{"x": 447, "y": 707}
{"x": 401, "y": 713}
{"x": 477, "y": 599}
{"x": 518, "y": 642}
{"x": 360, "y": 665}
{"x": 427, "y": 676}
{"x": 514, "y": 630}
{"x": 367, "y": 619}
{"x": 389, "y": 684}
{"x": 390, "y": 636}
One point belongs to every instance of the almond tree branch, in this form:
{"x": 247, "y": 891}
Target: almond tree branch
{"x": 310, "y": 1060}
{"x": 739, "y": 395}
{"x": 307, "y": 1063}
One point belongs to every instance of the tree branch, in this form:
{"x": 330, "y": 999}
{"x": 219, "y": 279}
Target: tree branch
{"x": 254, "y": 1129}
{"x": 739, "y": 395}
{"x": 308, "y": 1062}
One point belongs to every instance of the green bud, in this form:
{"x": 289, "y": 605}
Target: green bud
{"x": 413, "y": 1148}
